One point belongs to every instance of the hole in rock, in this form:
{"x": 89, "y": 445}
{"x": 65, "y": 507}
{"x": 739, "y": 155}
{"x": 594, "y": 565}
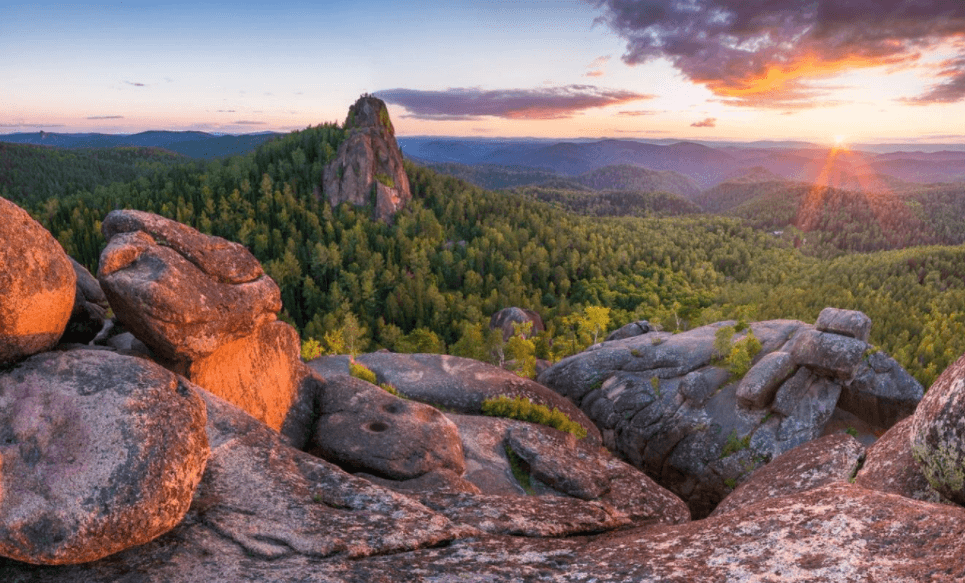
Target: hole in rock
{"x": 377, "y": 427}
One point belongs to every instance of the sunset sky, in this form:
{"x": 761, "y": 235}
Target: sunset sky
{"x": 863, "y": 70}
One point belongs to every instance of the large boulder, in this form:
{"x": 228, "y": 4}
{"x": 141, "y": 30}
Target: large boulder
{"x": 667, "y": 404}
{"x": 368, "y": 166}
{"x": 937, "y": 433}
{"x": 890, "y": 467}
{"x": 505, "y": 319}
{"x": 361, "y": 427}
{"x": 37, "y": 286}
{"x": 205, "y": 308}
{"x": 182, "y": 293}
{"x": 100, "y": 452}
{"x": 826, "y": 460}
{"x": 453, "y": 383}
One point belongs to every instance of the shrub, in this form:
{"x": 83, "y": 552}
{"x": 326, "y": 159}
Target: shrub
{"x": 360, "y": 371}
{"x": 523, "y": 409}
{"x": 742, "y": 354}
{"x": 311, "y": 349}
{"x": 735, "y": 444}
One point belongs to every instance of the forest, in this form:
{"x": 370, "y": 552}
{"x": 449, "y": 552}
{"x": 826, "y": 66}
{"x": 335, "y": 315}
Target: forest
{"x": 430, "y": 281}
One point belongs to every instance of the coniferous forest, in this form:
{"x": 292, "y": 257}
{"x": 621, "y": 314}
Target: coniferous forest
{"x": 430, "y": 281}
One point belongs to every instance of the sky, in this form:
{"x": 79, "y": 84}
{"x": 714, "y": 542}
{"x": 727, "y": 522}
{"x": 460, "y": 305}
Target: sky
{"x": 862, "y": 71}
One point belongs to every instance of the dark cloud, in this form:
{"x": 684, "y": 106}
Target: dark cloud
{"x": 709, "y": 122}
{"x": 768, "y": 53}
{"x": 951, "y": 90}
{"x": 474, "y": 103}
{"x": 135, "y": 84}
{"x": 106, "y": 117}
{"x": 245, "y": 122}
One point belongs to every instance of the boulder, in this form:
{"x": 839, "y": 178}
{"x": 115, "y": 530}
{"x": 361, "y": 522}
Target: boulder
{"x": 937, "y": 433}
{"x": 505, "y": 319}
{"x": 630, "y": 330}
{"x": 261, "y": 372}
{"x": 368, "y": 166}
{"x": 453, "y": 383}
{"x": 844, "y": 322}
{"x": 890, "y": 467}
{"x": 669, "y": 406}
{"x": 101, "y": 452}
{"x": 554, "y": 464}
{"x": 90, "y": 308}
{"x": 829, "y": 354}
{"x": 183, "y": 297}
{"x": 756, "y": 390}
{"x": 205, "y": 308}
{"x": 37, "y": 286}
{"x": 364, "y": 428}
{"x": 826, "y": 460}
{"x": 882, "y": 392}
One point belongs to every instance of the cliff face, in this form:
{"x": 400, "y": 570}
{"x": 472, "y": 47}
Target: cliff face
{"x": 368, "y": 166}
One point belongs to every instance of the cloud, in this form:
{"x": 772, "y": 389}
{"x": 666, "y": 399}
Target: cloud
{"x": 709, "y": 122}
{"x": 637, "y": 113}
{"x": 774, "y": 53}
{"x": 226, "y": 111}
{"x": 31, "y": 125}
{"x": 596, "y": 67}
{"x": 951, "y": 90}
{"x": 245, "y": 122}
{"x": 135, "y": 84}
{"x": 105, "y": 117}
{"x": 474, "y": 103}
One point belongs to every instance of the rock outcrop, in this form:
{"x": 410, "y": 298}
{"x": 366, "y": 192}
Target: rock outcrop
{"x": 668, "y": 403}
{"x": 453, "y": 383}
{"x": 937, "y": 433}
{"x": 100, "y": 452}
{"x": 37, "y": 286}
{"x": 891, "y": 467}
{"x": 368, "y": 166}
{"x": 90, "y": 308}
{"x": 205, "y": 307}
{"x": 504, "y": 319}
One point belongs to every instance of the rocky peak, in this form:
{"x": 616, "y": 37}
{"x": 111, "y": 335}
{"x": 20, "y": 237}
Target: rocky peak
{"x": 368, "y": 167}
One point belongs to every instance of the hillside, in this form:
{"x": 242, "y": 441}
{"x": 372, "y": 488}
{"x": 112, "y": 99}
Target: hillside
{"x": 190, "y": 144}
{"x": 457, "y": 254}
{"x": 611, "y": 203}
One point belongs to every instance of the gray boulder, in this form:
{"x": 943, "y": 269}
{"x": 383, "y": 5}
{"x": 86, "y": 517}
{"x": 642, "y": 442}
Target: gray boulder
{"x": 37, "y": 286}
{"x": 666, "y": 404}
{"x": 844, "y": 322}
{"x": 504, "y": 319}
{"x": 101, "y": 453}
{"x": 882, "y": 392}
{"x": 363, "y": 428}
{"x": 630, "y": 330}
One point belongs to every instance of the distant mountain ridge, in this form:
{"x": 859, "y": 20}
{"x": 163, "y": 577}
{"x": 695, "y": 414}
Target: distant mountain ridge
{"x": 707, "y": 164}
{"x": 190, "y": 143}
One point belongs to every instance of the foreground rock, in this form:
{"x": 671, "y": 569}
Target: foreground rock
{"x": 453, "y": 383}
{"x": 827, "y": 460}
{"x": 937, "y": 433}
{"x": 891, "y": 467}
{"x": 205, "y": 307}
{"x": 100, "y": 453}
{"x": 90, "y": 308}
{"x": 368, "y": 166}
{"x": 182, "y": 293}
{"x": 37, "y": 283}
{"x": 667, "y": 404}
{"x": 364, "y": 428}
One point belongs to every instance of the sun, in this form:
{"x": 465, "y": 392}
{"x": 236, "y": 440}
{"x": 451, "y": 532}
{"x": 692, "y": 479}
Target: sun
{"x": 840, "y": 142}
